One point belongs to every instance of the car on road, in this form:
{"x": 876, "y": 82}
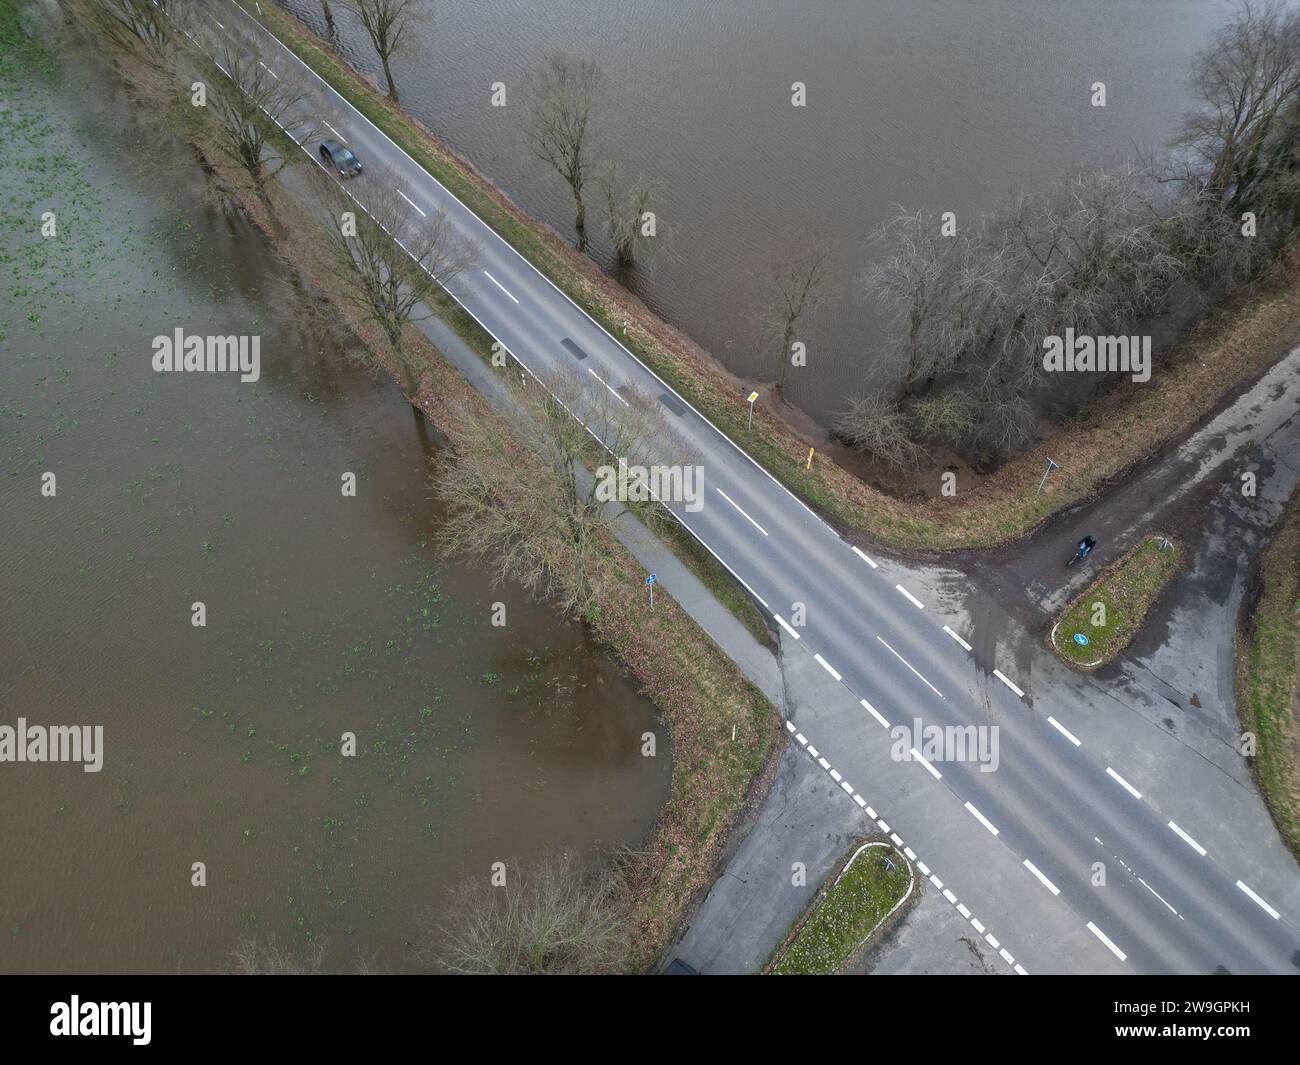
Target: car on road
{"x": 341, "y": 160}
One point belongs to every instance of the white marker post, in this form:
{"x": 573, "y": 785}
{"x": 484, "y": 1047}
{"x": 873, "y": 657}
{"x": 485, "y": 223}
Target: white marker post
{"x": 650, "y": 583}
{"x": 1052, "y": 464}
{"x": 752, "y": 396}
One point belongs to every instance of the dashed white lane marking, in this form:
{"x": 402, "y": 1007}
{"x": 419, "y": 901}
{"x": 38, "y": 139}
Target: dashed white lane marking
{"x": 1064, "y": 731}
{"x": 1007, "y": 681}
{"x": 781, "y": 621}
{"x": 1161, "y": 898}
{"x": 500, "y": 286}
{"x": 218, "y": 22}
{"x": 823, "y": 763}
{"x": 947, "y": 894}
{"x": 875, "y": 713}
{"x": 222, "y": 69}
{"x": 1041, "y": 878}
{"x": 828, "y": 667}
{"x": 605, "y": 383}
{"x": 1106, "y": 939}
{"x": 415, "y": 205}
{"x": 1123, "y": 783}
{"x": 915, "y": 601}
{"x": 1260, "y": 902}
{"x": 860, "y": 801}
{"x": 1188, "y": 839}
{"x": 848, "y": 788}
{"x": 835, "y": 775}
{"x": 268, "y": 70}
{"x": 865, "y": 558}
{"x": 925, "y": 871}
{"x": 926, "y": 762}
{"x": 956, "y": 637}
{"x": 909, "y": 666}
{"x": 336, "y": 133}
{"x": 982, "y": 819}
{"x": 1020, "y": 969}
{"x": 743, "y": 514}
{"x": 991, "y": 940}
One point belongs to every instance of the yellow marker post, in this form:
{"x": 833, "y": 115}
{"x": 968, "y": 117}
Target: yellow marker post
{"x": 810, "y": 455}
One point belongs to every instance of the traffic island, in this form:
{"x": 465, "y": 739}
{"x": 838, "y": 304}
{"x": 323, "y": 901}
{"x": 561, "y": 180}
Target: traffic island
{"x": 1103, "y": 619}
{"x": 847, "y": 914}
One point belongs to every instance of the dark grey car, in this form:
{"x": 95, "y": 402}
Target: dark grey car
{"x": 340, "y": 159}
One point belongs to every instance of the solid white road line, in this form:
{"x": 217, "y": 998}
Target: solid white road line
{"x": 412, "y": 203}
{"x": 500, "y": 286}
{"x": 1005, "y": 680}
{"x": 1188, "y": 839}
{"x": 875, "y": 713}
{"x": 926, "y": 762}
{"x": 782, "y": 623}
{"x": 1041, "y": 878}
{"x": 602, "y": 381}
{"x": 956, "y": 637}
{"x": 828, "y": 667}
{"x": 1263, "y": 905}
{"x": 1123, "y": 783}
{"x": 864, "y": 558}
{"x": 910, "y": 596}
{"x": 982, "y": 819}
{"x": 1106, "y": 939}
{"x": 909, "y": 666}
{"x": 336, "y": 133}
{"x": 1064, "y": 731}
{"x": 743, "y": 514}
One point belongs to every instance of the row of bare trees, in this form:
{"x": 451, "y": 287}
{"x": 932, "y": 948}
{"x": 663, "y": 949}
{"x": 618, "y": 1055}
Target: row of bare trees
{"x": 1105, "y": 253}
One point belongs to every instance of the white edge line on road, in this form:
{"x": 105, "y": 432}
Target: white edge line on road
{"x": 863, "y": 557}
{"x": 522, "y": 258}
{"x": 1041, "y": 878}
{"x": 1064, "y": 731}
{"x": 499, "y": 285}
{"x": 1106, "y": 939}
{"x": 781, "y": 621}
{"x": 915, "y": 601}
{"x": 1123, "y": 783}
{"x": 909, "y": 666}
{"x": 982, "y": 819}
{"x": 1260, "y": 902}
{"x": 737, "y": 506}
{"x": 828, "y": 667}
{"x": 956, "y": 637}
{"x": 875, "y": 713}
{"x": 1188, "y": 839}
{"x": 415, "y": 205}
{"x": 1007, "y": 681}
{"x": 926, "y": 762}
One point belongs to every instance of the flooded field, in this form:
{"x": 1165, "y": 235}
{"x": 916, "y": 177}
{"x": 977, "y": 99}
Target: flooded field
{"x": 324, "y": 614}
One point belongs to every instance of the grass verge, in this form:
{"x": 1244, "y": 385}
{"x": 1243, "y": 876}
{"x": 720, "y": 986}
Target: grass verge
{"x": 1105, "y": 441}
{"x": 845, "y": 914}
{"x": 1109, "y": 611}
{"x": 723, "y": 729}
{"x": 1268, "y": 697}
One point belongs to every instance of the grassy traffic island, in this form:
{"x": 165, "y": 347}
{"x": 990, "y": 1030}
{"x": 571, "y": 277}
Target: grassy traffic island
{"x": 1268, "y": 697}
{"x": 1109, "y": 612}
{"x": 847, "y": 914}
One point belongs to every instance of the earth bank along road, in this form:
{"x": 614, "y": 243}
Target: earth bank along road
{"x": 1169, "y": 906}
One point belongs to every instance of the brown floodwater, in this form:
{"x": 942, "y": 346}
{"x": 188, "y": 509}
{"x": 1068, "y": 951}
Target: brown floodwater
{"x": 324, "y": 614}
{"x": 947, "y": 105}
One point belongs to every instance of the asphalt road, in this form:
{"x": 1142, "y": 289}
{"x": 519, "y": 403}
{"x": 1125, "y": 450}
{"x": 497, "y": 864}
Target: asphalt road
{"x": 1049, "y": 801}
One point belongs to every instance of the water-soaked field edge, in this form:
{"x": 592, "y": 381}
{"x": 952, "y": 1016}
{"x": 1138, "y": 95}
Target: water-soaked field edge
{"x": 1106, "y": 441}
{"x": 723, "y": 728}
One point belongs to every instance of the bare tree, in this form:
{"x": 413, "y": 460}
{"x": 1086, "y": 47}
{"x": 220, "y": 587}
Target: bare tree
{"x": 251, "y": 958}
{"x": 627, "y": 215}
{"x": 799, "y": 280}
{"x": 1243, "y": 138}
{"x": 257, "y": 111}
{"x": 556, "y": 917}
{"x": 386, "y": 23}
{"x": 526, "y": 503}
{"x": 971, "y": 310}
{"x": 389, "y": 282}
{"x": 139, "y": 26}
{"x": 558, "y": 123}
{"x": 880, "y": 428}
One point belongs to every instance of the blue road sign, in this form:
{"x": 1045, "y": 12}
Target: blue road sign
{"x": 651, "y": 579}
{"x": 1081, "y": 639}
